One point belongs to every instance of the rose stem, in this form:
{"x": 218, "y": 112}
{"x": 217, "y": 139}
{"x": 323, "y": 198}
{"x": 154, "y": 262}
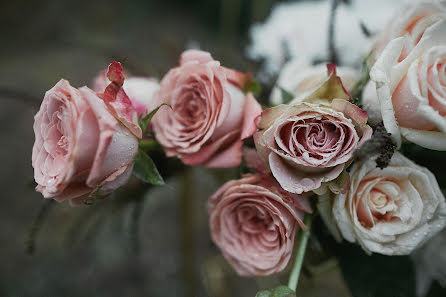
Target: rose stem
{"x": 300, "y": 253}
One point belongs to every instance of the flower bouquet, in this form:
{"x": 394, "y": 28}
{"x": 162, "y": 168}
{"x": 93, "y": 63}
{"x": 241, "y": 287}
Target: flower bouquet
{"x": 340, "y": 158}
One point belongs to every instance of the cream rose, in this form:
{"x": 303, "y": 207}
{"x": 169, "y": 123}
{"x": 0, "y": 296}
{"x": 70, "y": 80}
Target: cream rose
{"x": 81, "y": 149}
{"x": 412, "y": 93}
{"x": 298, "y": 78}
{"x": 255, "y": 226}
{"x": 210, "y": 114}
{"x": 390, "y": 211}
{"x": 309, "y": 143}
{"x": 410, "y": 21}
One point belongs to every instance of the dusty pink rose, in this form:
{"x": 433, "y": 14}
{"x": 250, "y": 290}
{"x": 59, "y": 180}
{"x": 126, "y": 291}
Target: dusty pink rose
{"x": 210, "y": 113}
{"x": 81, "y": 149}
{"x": 254, "y": 226}
{"x": 308, "y": 143}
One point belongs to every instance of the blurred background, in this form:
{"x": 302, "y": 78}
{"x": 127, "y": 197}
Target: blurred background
{"x": 148, "y": 241}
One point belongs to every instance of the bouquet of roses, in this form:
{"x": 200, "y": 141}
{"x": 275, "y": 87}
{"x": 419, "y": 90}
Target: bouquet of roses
{"x": 331, "y": 148}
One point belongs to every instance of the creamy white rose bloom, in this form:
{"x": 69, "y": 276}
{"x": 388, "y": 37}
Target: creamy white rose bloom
{"x": 411, "y": 21}
{"x": 390, "y": 211}
{"x": 298, "y": 77}
{"x": 430, "y": 264}
{"x": 412, "y": 91}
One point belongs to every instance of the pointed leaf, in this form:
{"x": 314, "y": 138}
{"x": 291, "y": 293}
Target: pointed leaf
{"x": 286, "y": 96}
{"x": 145, "y": 121}
{"x": 145, "y": 169}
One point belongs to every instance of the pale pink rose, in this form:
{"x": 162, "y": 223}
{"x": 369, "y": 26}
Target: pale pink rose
{"x": 412, "y": 92}
{"x": 309, "y": 143}
{"x": 140, "y": 90}
{"x": 254, "y": 225}
{"x": 410, "y": 22}
{"x": 391, "y": 211}
{"x": 81, "y": 150}
{"x": 210, "y": 114}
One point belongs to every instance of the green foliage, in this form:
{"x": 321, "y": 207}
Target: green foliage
{"x": 252, "y": 86}
{"x": 145, "y": 121}
{"x": 286, "y": 96}
{"x": 145, "y": 169}
{"x": 364, "y": 79}
{"x": 281, "y": 291}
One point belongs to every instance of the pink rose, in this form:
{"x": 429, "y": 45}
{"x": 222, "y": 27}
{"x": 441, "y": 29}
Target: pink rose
{"x": 309, "y": 143}
{"x": 81, "y": 149}
{"x": 254, "y": 226}
{"x": 210, "y": 113}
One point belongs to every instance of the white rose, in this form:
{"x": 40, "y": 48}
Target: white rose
{"x": 390, "y": 211}
{"x": 412, "y": 91}
{"x": 298, "y": 78}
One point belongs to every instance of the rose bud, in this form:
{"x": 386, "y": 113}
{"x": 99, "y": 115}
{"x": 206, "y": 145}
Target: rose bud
{"x": 85, "y": 145}
{"x": 254, "y": 224}
{"x": 140, "y": 90}
{"x": 411, "y": 94}
{"x": 210, "y": 114}
{"x": 309, "y": 143}
{"x": 390, "y": 211}
{"x": 298, "y": 77}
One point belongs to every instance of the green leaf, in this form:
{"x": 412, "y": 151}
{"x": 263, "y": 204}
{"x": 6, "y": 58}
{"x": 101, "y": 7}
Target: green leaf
{"x": 286, "y": 96}
{"x": 281, "y": 291}
{"x": 252, "y": 86}
{"x": 264, "y": 293}
{"x": 145, "y": 121}
{"x": 145, "y": 169}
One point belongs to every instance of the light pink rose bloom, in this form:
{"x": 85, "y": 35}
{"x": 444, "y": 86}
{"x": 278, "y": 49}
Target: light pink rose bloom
{"x": 410, "y": 21}
{"x": 255, "y": 225}
{"x": 81, "y": 149}
{"x": 309, "y": 143}
{"x": 210, "y": 114}
{"x": 411, "y": 93}
{"x": 140, "y": 90}
{"x": 390, "y": 211}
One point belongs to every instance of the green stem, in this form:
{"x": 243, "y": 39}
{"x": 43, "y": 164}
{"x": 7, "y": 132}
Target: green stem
{"x": 300, "y": 253}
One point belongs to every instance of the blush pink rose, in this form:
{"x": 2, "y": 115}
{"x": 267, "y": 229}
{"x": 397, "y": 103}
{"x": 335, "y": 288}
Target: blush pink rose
{"x": 410, "y": 22}
{"x": 411, "y": 93}
{"x": 308, "y": 143}
{"x": 255, "y": 226}
{"x": 391, "y": 211}
{"x": 81, "y": 149}
{"x": 210, "y": 114}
